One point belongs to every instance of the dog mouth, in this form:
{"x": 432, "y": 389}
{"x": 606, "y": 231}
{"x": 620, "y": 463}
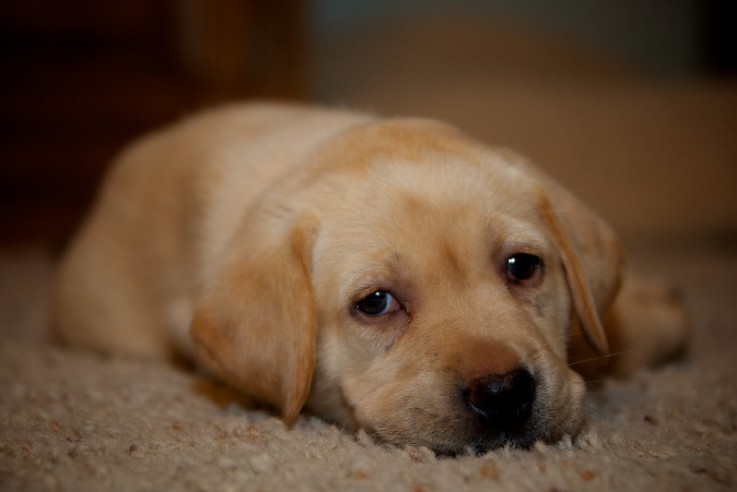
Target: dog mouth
{"x": 452, "y": 414}
{"x": 515, "y": 412}
{"x": 523, "y": 436}
{"x": 473, "y": 438}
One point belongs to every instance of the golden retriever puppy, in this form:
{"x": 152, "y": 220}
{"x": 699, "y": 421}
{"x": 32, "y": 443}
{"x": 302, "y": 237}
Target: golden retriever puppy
{"x": 386, "y": 274}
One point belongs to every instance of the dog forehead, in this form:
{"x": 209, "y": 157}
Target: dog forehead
{"x": 432, "y": 192}
{"x": 416, "y": 189}
{"x": 362, "y": 149}
{"x": 446, "y": 211}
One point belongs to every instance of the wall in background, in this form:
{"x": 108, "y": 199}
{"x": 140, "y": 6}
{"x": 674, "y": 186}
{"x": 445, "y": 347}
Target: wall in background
{"x": 83, "y": 77}
{"x": 662, "y": 37}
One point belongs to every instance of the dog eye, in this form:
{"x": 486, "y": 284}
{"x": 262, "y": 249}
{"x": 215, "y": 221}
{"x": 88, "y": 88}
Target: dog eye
{"x": 379, "y": 303}
{"x": 523, "y": 266}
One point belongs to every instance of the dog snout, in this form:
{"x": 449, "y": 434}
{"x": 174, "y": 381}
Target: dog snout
{"x": 502, "y": 401}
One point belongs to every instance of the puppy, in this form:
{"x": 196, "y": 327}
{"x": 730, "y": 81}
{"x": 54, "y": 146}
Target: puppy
{"x": 386, "y": 274}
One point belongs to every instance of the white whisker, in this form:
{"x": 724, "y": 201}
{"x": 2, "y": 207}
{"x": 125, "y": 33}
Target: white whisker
{"x": 607, "y": 356}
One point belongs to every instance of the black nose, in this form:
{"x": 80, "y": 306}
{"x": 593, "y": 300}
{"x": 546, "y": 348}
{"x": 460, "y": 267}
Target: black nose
{"x": 503, "y": 401}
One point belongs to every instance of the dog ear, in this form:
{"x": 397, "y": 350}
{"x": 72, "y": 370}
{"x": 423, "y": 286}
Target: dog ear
{"x": 591, "y": 257}
{"x": 256, "y": 324}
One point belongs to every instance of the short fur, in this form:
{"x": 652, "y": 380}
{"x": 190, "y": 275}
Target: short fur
{"x": 245, "y": 237}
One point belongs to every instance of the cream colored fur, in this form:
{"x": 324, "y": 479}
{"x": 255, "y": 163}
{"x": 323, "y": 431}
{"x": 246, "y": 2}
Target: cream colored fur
{"x": 244, "y": 238}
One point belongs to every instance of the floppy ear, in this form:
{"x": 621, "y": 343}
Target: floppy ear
{"x": 256, "y": 324}
{"x": 591, "y": 257}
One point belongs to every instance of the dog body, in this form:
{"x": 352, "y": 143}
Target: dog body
{"x": 392, "y": 274}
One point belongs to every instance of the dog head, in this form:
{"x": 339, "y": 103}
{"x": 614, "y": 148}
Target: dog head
{"x": 414, "y": 283}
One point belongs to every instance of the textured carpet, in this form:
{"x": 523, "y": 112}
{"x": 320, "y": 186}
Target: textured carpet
{"x": 76, "y": 421}
{"x": 658, "y": 161}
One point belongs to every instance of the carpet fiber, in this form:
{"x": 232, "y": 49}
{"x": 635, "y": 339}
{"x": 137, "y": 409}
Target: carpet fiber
{"x": 77, "y": 421}
{"x": 658, "y": 161}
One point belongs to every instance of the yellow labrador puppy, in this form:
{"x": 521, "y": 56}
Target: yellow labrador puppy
{"x": 386, "y": 274}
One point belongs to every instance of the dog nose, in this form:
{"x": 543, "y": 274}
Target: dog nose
{"x": 503, "y": 401}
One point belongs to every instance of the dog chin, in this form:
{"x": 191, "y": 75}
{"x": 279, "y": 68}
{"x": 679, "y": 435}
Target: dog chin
{"x": 472, "y": 436}
{"x": 475, "y": 443}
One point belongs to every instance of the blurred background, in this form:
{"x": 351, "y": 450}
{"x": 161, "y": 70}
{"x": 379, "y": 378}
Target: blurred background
{"x": 631, "y": 103}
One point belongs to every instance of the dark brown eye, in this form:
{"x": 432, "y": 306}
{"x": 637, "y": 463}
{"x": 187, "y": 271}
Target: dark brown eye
{"x": 523, "y": 266}
{"x": 378, "y": 303}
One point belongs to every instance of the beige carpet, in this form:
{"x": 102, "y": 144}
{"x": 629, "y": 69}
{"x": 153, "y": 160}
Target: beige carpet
{"x": 659, "y": 160}
{"x": 76, "y": 421}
